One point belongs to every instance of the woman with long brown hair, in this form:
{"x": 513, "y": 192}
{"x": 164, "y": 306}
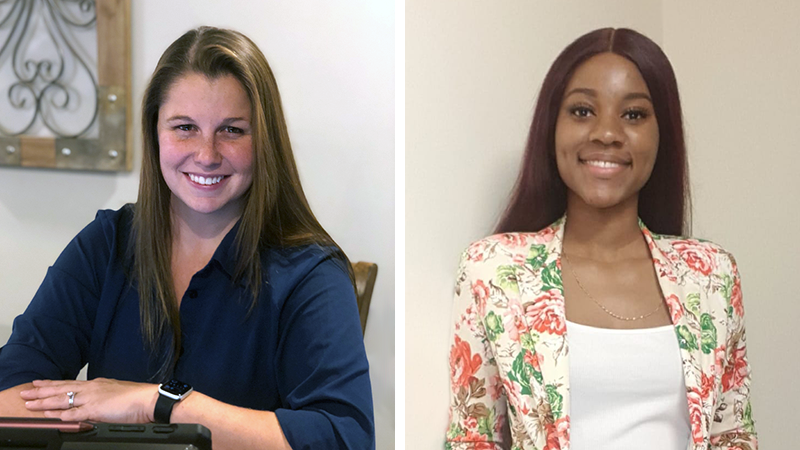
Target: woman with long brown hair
{"x": 217, "y": 298}
{"x": 587, "y": 321}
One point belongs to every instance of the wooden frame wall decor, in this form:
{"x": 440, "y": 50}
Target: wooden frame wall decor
{"x": 39, "y": 86}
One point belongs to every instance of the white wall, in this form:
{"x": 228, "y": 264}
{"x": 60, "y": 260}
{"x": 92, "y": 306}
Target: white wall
{"x": 472, "y": 73}
{"x": 334, "y": 62}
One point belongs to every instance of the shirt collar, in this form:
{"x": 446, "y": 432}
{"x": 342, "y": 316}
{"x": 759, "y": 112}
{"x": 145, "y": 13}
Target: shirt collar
{"x": 225, "y": 256}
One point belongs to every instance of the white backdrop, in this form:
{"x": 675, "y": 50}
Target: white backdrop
{"x": 473, "y": 69}
{"x": 334, "y": 63}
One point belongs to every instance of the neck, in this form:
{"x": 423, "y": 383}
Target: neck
{"x": 604, "y": 234}
{"x": 200, "y": 231}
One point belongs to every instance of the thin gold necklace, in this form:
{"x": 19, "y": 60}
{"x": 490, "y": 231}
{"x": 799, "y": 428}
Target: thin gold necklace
{"x": 607, "y": 311}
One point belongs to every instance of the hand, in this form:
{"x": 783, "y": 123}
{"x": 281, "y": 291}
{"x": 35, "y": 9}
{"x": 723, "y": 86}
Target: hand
{"x": 100, "y": 400}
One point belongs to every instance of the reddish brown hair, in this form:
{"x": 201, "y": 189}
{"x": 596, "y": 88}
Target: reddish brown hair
{"x": 540, "y": 196}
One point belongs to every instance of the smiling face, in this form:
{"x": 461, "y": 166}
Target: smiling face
{"x": 205, "y": 145}
{"x": 606, "y": 137}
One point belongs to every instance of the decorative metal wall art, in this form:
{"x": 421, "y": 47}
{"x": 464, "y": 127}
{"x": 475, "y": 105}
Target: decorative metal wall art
{"x": 65, "y": 84}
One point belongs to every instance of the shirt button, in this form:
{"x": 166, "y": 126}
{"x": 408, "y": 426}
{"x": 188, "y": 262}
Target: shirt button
{"x": 192, "y": 293}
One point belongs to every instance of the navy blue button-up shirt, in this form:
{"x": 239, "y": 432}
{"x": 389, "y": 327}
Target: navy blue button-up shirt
{"x": 298, "y": 353}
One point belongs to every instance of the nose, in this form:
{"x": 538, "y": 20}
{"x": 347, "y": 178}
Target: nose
{"x": 608, "y": 130}
{"x": 208, "y": 155}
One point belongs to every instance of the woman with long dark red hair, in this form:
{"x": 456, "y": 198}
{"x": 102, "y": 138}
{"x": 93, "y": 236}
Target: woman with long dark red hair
{"x": 586, "y": 322}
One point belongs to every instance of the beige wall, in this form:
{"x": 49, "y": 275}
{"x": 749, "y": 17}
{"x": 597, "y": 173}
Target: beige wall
{"x": 334, "y": 63}
{"x": 473, "y": 69}
{"x": 737, "y": 66}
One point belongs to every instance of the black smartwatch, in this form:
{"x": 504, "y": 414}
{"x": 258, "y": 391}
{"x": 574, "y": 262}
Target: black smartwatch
{"x": 169, "y": 393}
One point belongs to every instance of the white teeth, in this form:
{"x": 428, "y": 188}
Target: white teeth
{"x": 205, "y": 181}
{"x": 605, "y": 164}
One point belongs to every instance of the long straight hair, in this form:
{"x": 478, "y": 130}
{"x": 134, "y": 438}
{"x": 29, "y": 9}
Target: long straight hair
{"x": 276, "y": 212}
{"x": 540, "y": 196}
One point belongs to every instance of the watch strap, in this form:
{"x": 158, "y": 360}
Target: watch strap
{"x": 163, "y": 410}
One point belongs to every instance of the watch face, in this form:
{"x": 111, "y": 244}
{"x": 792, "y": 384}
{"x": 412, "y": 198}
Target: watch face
{"x": 175, "y": 387}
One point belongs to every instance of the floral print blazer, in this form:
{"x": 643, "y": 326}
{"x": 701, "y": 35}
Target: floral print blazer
{"x": 509, "y": 356}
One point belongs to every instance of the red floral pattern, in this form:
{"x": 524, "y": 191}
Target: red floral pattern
{"x": 719, "y": 359}
{"x": 696, "y": 414}
{"x": 546, "y": 313}
{"x": 675, "y": 307}
{"x": 463, "y": 363}
{"x": 699, "y": 257}
{"x": 544, "y": 236}
{"x": 736, "y": 371}
{"x": 562, "y": 429}
{"x": 514, "y": 324}
{"x": 476, "y": 251}
{"x": 736, "y": 299}
{"x": 707, "y": 386}
{"x": 520, "y": 366}
{"x": 534, "y": 359}
{"x": 552, "y": 438}
{"x": 513, "y": 239}
{"x": 480, "y": 293}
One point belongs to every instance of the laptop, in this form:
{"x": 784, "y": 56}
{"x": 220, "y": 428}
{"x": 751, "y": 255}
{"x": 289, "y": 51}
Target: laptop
{"x": 55, "y": 434}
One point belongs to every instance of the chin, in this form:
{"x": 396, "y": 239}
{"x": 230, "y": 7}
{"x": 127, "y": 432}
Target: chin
{"x": 203, "y": 207}
{"x": 603, "y": 201}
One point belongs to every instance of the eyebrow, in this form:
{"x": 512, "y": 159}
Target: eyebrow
{"x": 189, "y": 119}
{"x": 593, "y": 93}
{"x": 180, "y": 118}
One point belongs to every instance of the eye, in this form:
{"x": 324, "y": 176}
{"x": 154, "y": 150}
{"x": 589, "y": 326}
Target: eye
{"x": 635, "y": 114}
{"x": 233, "y": 130}
{"x": 184, "y": 127}
{"x": 580, "y": 111}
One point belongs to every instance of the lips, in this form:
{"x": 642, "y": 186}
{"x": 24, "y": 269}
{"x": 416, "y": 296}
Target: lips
{"x": 604, "y": 166}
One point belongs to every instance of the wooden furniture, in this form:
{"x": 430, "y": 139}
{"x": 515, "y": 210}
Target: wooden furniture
{"x": 365, "y": 274}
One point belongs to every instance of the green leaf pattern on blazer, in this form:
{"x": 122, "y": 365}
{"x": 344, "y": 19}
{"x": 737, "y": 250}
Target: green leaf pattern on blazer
{"x": 509, "y": 354}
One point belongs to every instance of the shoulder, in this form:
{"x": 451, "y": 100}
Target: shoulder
{"x": 504, "y": 246}
{"x": 107, "y": 232}
{"x": 108, "y": 222}
{"x": 499, "y": 252}
{"x": 114, "y": 220}
{"x": 702, "y": 256}
{"x": 98, "y": 246}
{"x": 289, "y": 267}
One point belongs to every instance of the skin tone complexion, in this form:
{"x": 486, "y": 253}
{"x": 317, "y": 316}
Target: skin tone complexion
{"x": 606, "y": 143}
{"x": 606, "y": 133}
{"x": 205, "y": 146}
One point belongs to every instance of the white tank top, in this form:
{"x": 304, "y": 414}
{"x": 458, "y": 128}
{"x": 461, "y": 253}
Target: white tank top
{"x": 627, "y": 389}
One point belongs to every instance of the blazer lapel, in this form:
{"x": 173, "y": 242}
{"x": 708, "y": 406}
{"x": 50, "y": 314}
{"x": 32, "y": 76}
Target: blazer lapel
{"x": 542, "y": 309}
{"x": 681, "y": 292}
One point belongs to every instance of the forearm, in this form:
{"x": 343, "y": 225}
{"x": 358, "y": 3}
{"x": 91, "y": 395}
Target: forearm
{"x": 12, "y": 405}
{"x": 231, "y": 427}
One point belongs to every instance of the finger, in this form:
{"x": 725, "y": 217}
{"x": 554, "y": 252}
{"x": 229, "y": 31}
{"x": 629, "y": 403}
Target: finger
{"x": 47, "y": 383}
{"x": 45, "y": 392}
{"x": 50, "y": 388}
{"x": 57, "y": 401}
{"x": 47, "y": 404}
{"x": 74, "y": 414}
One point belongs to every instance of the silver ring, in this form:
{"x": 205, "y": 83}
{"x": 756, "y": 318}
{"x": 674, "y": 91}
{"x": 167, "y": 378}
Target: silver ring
{"x": 71, "y": 396}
